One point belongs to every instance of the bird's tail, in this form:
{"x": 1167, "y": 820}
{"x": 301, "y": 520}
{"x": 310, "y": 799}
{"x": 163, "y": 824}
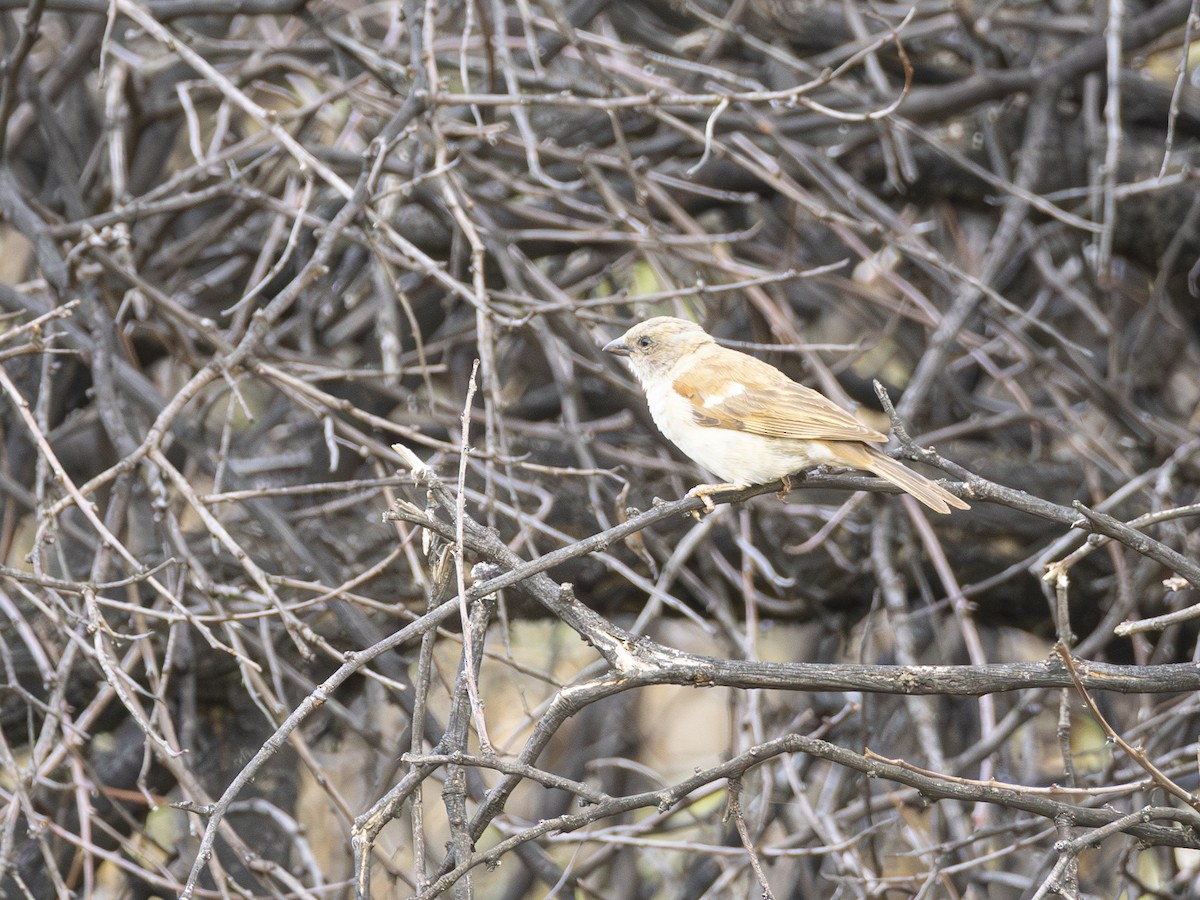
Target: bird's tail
{"x": 875, "y": 461}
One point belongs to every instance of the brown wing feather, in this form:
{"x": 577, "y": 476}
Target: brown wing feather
{"x": 771, "y": 405}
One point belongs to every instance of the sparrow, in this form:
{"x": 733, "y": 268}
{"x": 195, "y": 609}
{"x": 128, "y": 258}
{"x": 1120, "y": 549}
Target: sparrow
{"x": 745, "y": 421}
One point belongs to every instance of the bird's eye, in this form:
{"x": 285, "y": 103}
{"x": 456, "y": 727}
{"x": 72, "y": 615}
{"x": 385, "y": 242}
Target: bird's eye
{"x": 644, "y": 342}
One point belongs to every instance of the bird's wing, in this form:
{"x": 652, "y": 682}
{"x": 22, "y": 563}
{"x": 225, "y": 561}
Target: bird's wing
{"x": 728, "y": 389}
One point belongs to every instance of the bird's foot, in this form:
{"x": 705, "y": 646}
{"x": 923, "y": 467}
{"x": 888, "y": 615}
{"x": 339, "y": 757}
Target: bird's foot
{"x": 787, "y": 487}
{"x": 789, "y": 482}
{"x": 705, "y": 492}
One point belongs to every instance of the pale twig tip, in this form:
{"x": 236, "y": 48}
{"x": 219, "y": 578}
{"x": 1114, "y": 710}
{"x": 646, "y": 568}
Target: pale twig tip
{"x": 413, "y": 462}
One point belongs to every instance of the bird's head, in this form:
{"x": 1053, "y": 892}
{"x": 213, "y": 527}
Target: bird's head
{"x": 654, "y": 346}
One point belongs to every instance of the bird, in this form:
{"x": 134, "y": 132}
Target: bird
{"x": 747, "y": 422}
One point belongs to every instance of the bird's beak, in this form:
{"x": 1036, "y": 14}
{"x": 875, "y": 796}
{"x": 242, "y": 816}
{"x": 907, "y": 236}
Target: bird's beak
{"x": 617, "y": 347}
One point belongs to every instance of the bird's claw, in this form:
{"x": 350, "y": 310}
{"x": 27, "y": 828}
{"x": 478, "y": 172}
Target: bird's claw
{"x": 787, "y": 487}
{"x": 705, "y": 498}
{"x": 705, "y": 492}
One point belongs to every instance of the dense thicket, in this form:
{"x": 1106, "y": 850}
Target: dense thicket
{"x": 248, "y": 247}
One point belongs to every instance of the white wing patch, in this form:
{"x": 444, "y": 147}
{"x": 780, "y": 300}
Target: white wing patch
{"x": 727, "y": 391}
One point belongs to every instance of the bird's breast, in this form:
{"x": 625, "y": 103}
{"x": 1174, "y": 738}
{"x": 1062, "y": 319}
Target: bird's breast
{"x": 737, "y": 457}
